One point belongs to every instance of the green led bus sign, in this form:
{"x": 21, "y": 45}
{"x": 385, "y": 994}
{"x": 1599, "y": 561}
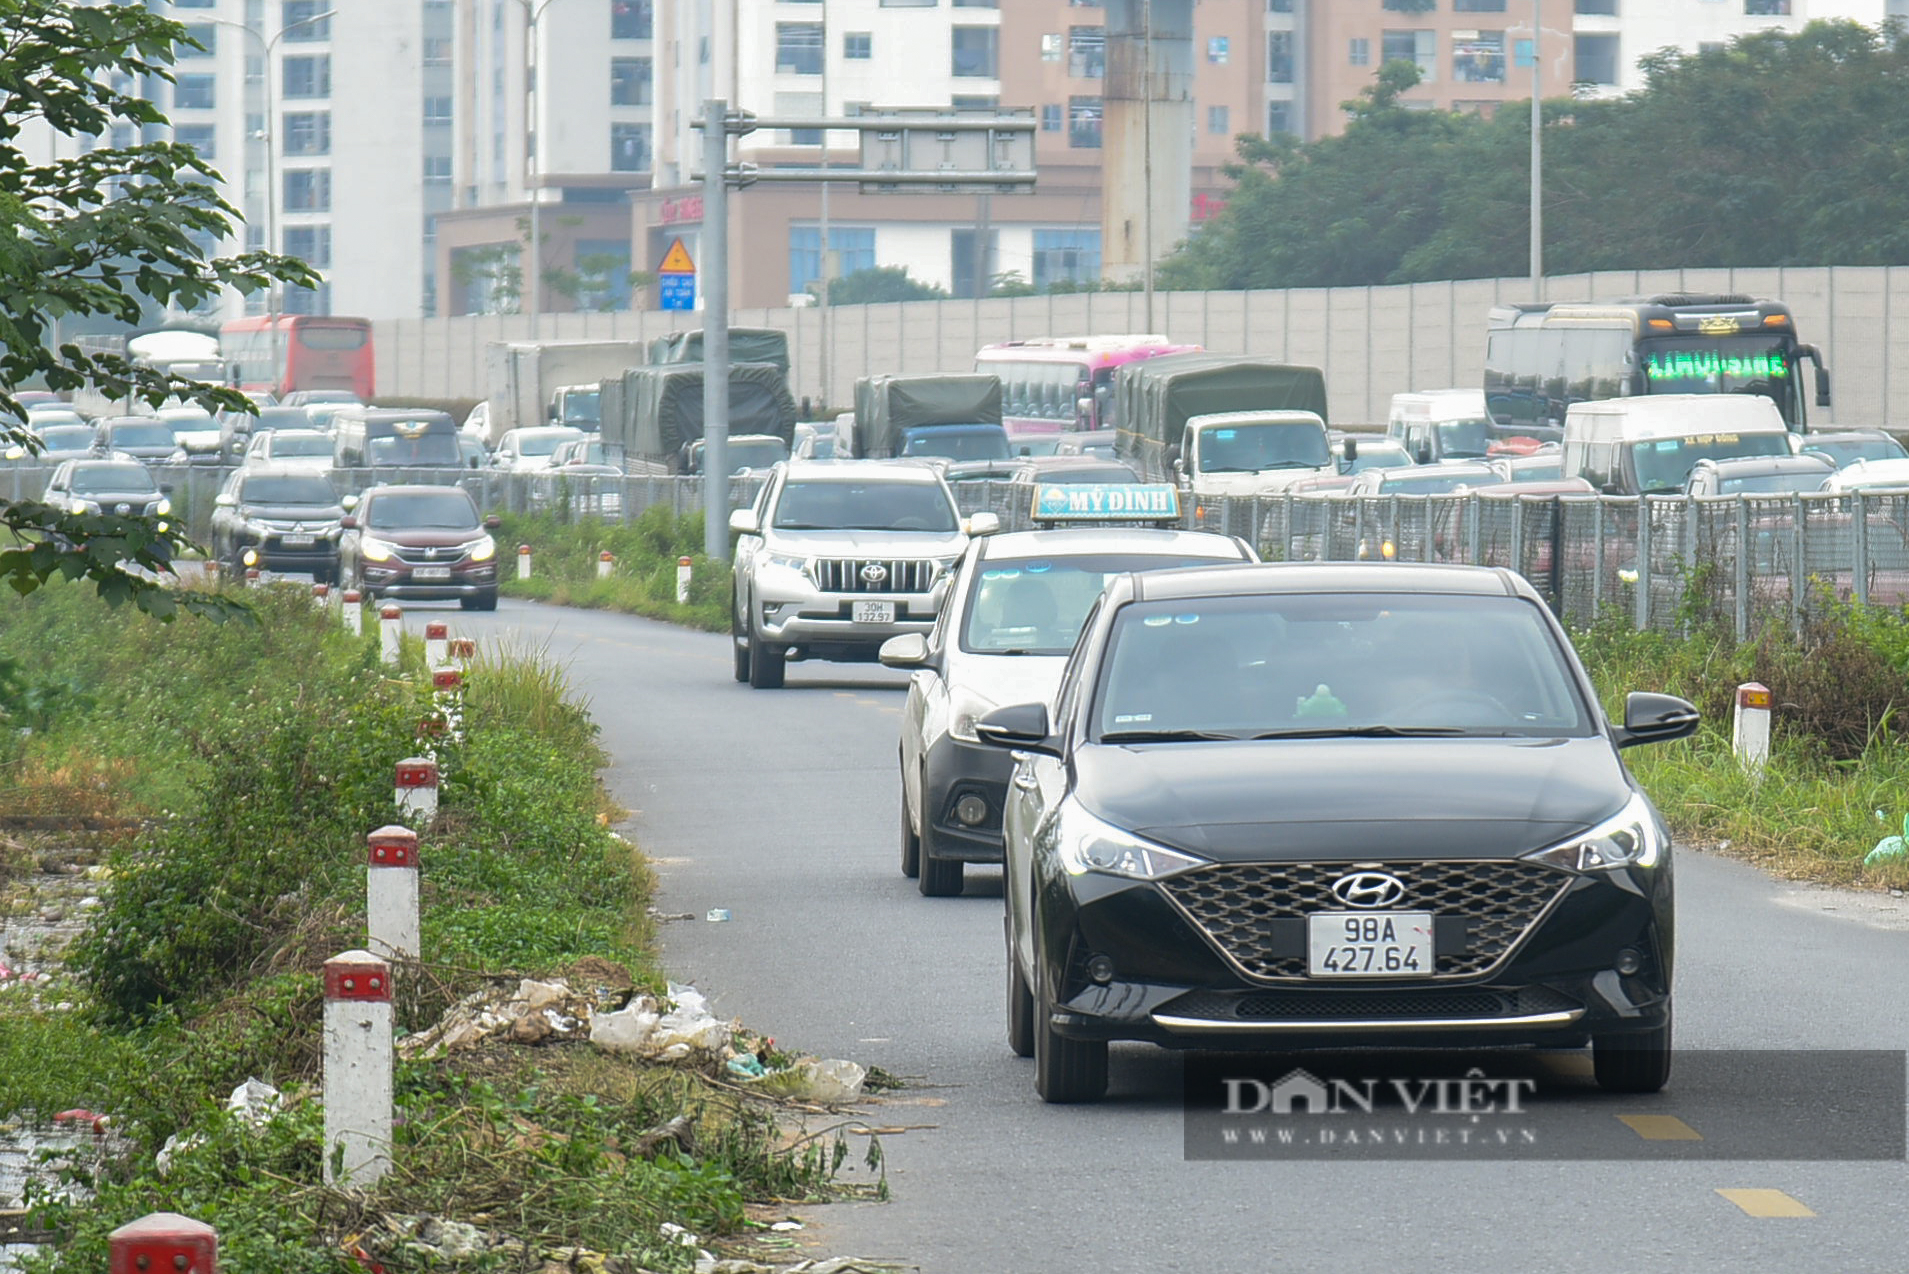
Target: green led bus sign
{"x": 1710, "y": 364}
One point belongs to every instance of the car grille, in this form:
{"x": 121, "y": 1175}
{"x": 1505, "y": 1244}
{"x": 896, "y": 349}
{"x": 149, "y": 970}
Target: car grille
{"x": 443, "y": 555}
{"x": 1276, "y": 1006}
{"x": 851, "y": 575}
{"x": 1236, "y": 904}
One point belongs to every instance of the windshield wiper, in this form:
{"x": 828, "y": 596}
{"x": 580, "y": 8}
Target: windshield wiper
{"x": 1169, "y": 736}
{"x": 1368, "y": 732}
{"x": 1288, "y": 464}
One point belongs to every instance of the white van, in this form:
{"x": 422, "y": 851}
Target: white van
{"x": 1249, "y": 453}
{"x": 1648, "y": 444}
{"x": 1441, "y": 424}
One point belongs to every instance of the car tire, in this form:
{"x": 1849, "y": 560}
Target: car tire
{"x": 1638, "y": 1062}
{"x": 738, "y": 644}
{"x": 1065, "y": 1070}
{"x": 766, "y": 665}
{"x": 1020, "y": 1002}
{"x": 939, "y": 877}
{"x": 910, "y": 843}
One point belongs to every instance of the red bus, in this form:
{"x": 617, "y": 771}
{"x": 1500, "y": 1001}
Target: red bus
{"x": 1059, "y": 383}
{"x": 312, "y": 352}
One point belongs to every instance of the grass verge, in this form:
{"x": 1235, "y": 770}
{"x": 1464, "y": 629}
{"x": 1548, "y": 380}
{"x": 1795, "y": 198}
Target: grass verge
{"x": 643, "y": 577}
{"x": 227, "y": 777}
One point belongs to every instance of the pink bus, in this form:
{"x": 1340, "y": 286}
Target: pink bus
{"x": 1054, "y": 384}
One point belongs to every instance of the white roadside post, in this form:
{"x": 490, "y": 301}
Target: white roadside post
{"x": 391, "y": 632}
{"x": 447, "y": 685}
{"x": 682, "y": 581}
{"x": 354, "y": 612}
{"x": 523, "y": 561}
{"x": 321, "y": 596}
{"x": 1750, "y": 726}
{"x": 437, "y": 641}
{"x": 391, "y": 893}
{"x": 415, "y": 791}
{"x": 606, "y": 562}
{"x": 162, "y": 1243}
{"x": 252, "y": 577}
{"x": 357, "y": 1149}
{"x": 463, "y": 651}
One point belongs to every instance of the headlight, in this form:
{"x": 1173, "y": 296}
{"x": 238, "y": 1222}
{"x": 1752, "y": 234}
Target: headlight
{"x": 164, "y": 526}
{"x": 1630, "y": 838}
{"x": 375, "y": 550}
{"x": 965, "y": 707}
{"x": 79, "y": 506}
{"x": 486, "y": 549}
{"x": 789, "y": 561}
{"x": 164, "y": 507}
{"x": 1088, "y": 844}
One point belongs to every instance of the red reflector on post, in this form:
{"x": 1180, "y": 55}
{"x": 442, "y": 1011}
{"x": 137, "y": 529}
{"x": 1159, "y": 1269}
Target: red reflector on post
{"x": 417, "y": 773}
{"x": 463, "y": 648}
{"x": 392, "y": 846}
{"x": 163, "y": 1243}
{"x": 392, "y": 612}
{"x": 357, "y": 975}
{"x": 1753, "y": 695}
{"x": 447, "y": 679}
{"x": 437, "y": 630}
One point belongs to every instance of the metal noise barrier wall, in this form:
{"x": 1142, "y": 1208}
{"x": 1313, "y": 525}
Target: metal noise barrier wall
{"x": 1662, "y": 562}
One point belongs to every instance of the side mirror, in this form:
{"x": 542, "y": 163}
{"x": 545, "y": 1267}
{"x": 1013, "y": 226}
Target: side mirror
{"x": 1423, "y": 455}
{"x": 982, "y": 524}
{"x": 492, "y": 521}
{"x": 744, "y": 522}
{"x": 1655, "y": 718}
{"x": 1179, "y": 467}
{"x": 910, "y": 650}
{"x": 1822, "y": 386}
{"x": 1027, "y": 451}
{"x": 348, "y": 522}
{"x": 1352, "y": 450}
{"x": 226, "y": 500}
{"x": 165, "y": 488}
{"x": 1022, "y": 727}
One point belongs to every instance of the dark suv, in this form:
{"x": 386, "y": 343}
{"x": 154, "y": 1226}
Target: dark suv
{"x": 280, "y": 518}
{"x": 420, "y": 542}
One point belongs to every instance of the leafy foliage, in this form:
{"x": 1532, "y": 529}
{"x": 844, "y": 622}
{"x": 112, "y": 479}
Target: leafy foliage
{"x": 881, "y": 283}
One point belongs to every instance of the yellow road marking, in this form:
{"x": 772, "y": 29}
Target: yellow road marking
{"x": 1766, "y": 1203}
{"x": 1661, "y": 1128}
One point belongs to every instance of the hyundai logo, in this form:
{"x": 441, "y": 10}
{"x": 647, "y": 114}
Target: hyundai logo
{"x": 1368, "y": 889}
{"x": 874, "y": 573}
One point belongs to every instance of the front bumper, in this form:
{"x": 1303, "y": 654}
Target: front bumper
{"x": 954, "y": 770}
{"x": 275, "y": 555}
{"x": 820, "y": 625}
{"x": 396, "y": 579}
{"x": 1550, "y": 979}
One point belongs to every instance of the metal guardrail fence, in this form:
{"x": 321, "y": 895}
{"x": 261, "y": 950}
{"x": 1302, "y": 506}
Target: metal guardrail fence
{"x": 1665, "y": 561}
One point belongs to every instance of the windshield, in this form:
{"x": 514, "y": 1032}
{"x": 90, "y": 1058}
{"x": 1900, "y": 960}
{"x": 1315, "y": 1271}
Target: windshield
{"x": 424, "y": 450}
{"x": 1664, "y": 464}
{"x": 959, "y": 444}
{"x": 448, "y": 510}
{"x": 279, "y": 418}
{"x": 1550, "y": 470}
{"x": 756, "y": 455}
{"x": 1462, "y": 438}
{"x": 289, "y": 489}
{"x": 287, "y": 446}
{"x": 1375, "y": 455}
{"x": 1849, "y": 451}
{"x": 67, "y": 438}
{"x": 1035, "y": 445}
{"x": 143, "y": 436}
{"x": 191, "y": 422}
{"x": 1768, "y": 483}
{"x": 1251, "y": 448}
{"x": 1240, "y": 667}
{"x": 540, "y": 444}
{"x": 1438, "y": 480}
{"x": 1717, "y": 365}
{"x": 118, "y": 478}
{"x": 1035, "y": 606}
{"x": 584, "y": 407}
{"x": 864, "y": 506}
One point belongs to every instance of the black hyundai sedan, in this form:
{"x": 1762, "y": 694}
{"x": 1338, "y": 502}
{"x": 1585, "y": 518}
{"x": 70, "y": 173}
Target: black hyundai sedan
{"x": 1328, "y": 805}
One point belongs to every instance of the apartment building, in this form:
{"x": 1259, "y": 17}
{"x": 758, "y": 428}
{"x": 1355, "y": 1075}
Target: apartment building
{"x": 1611, "y": 37}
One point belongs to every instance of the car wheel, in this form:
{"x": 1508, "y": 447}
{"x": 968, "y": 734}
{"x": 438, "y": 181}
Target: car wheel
{"x": 1633, "y": 1063}
{"x": 910, "y": 843}
{"x": 766, "y": 665}
{"x": 1065, "y": 1070}
{"x": 940, "y": 877}
{"x": 483, "y": 601}
{"x": 738, "y": 644}
{"x": 1020, "y": 1002}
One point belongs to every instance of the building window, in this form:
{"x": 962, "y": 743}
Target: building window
{"x": 205, "y": 34}
{"x": 1420, "y": 47}
{"x": 1596, "y": 59}
{"x": 195, "y": 4}
{"x": 977, "y": 4}
{"x": 1083, "y": 123}
{"x": 853, "y": 248}
{"x": 310, "y": 244}
{"x": 1410, "y": 6}
{"x": 1066, "y": 256}
{"x": 194, "y": 92}
{"x": 963, "y": 247}
{"x": 308, "y": 190}
{"x": 1051, "y": 118}
{"x": 1218, "y": 49}
{"x": 630, "y": 82}
{"x": 1478, "y": 57}
{"x": 632, "y": 19}
{"x": 1279, "y": 118}
{"x": 976, "y": 102}
{"x": 437, "y": 170}
{"x": 603, "y": 274}
{"x": 1359, "y": 51}
{"x": 857, "y": 46}
{"x": 1766, "y": 8}
{"x": 308, "y": 76}
{"x": 437, "y": 110}
{"x": 1218, "y": 120}
{"x": 296, "y": 18}
{"x": 629, "y": 148}
{"x": 307, "y": 300}
{"x": 1051, "y": 47}
{"x": 908, "y": 4}
{"x": 799, "y": 48}
{"x": 1279, "y": 57}
{"x": 976, "y": 52}
{"x": 1087, "y": 52}
{"x": 1478, "y": 6}
{"x": 437, "y": 51}
{"x": 307, "y": 133}
{"x": 1607, "y": 8}
{"x": 800, "y": 106}
{"x": 201, "y": 137}
{"x": 1279, "y": 6}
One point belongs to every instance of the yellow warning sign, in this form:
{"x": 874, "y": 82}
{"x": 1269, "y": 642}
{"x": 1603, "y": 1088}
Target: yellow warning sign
{"x": 676, "y": 260}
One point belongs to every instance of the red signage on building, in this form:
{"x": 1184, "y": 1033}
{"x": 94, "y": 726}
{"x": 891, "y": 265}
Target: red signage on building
{"x": 1206, "y": 207}
{"x": 676, "y": 211}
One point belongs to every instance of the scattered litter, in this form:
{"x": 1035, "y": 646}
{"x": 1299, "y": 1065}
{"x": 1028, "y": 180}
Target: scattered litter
{"x": 1890, "y": 849}
{"x": 847, "y": 1265}
{"x": 732, "y": 1266}
{"x": 671, "y": 915}
{"x": 687, "y": 1030}
{"x": 254, "y": 1102}
{"x": 787, "y": 1225}
{"x": 829, "y": 1081}
{"x": 534, "y": 1013}
{"x": 717, "y": 915}
{"x": 745, "y": 1066}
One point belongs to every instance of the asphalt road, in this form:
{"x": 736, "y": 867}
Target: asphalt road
{"x": 781, "y": 807}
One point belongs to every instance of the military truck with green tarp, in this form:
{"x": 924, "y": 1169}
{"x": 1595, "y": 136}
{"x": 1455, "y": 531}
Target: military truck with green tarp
{"x": 1271, "y": 416}
{"x": 956, "y": 416}
{"x": 746, "y": 345}
{"x": 652, "y": 414}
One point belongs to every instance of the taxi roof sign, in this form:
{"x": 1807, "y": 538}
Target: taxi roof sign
{"x": 1106, "y": 502}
